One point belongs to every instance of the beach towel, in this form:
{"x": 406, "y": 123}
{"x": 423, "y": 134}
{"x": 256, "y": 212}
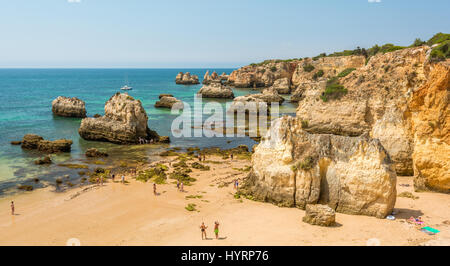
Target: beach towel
{"x": 431, "y": 230}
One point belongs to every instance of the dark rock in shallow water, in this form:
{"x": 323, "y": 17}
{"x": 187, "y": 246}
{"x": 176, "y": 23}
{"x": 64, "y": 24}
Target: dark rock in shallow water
{"x": 25, "y": 187}
{"x": 16, "y": 143}
{"x": 35, "y": 142}
{"x": 31, "y": 141}
{"x": 62, "y": 145}
{"x": 69, "y": 107}
{"x": 45, "y": 160}
{"x": 97, "y": 116}
{"x": 164, "y": 139}
{"x": 95, "y": 153}
{"x": 125, "y": 122}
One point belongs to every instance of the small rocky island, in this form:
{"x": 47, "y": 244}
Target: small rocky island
{"x": 125, "y": 122}
{"x": 69, "y": 107}
{"x": 168, "y": 101}
{"x": 186, "y": 79}
{"x": 214, "y": 77}
{"x": 216, "y": 90}
{"x": 36, "y": 142}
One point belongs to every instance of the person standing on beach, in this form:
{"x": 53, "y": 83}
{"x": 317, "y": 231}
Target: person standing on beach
{"x": 204, "y": 157}
{"x": 178, "y": 185}
{"x": 231, "y": 157}
{"x": 123, "y": 179}
{"x": 154, "y": 189}
{"x": 12, "y": 207}
{"x": 113, "y": 177}
{"x": 203, "y": 228}
{"x": 216, "y": 229}
{"x": 182, "y": 187}
{"x": 237, "y": 184}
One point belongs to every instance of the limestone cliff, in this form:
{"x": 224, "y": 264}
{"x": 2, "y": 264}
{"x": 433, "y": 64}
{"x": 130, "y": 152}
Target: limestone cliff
{"x": 352, "y": 175}
{"x": 430, "y": 125}
{"x": 375, "y": 103}
{"x": 124, "y": 122}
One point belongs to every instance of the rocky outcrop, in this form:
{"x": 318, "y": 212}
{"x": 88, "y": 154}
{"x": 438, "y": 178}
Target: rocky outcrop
{"x": 310, "y": 70}
{"x": 308, "y": 89}
{"x": 94, "y": 153}
{"x": 375, "y": 103}
{"x": 169, "y": 102}
{"x": 216, "y": 90}
{"x": 352, "y": 175}
{"x": 35, "y": 142}
{"x": 254, "y": 103}
{"x": 282, "y": 86}
{"x": 186, "y": 79}
{"x": 430, "y": 125}
{"x": 43, "y": 161}
{"x": 125, "y": 122}
{"x": 321, "y": 215}
{"x": 69, "y": 107}
{"x": 213, "y": 78}
{"x": 262, "y": 75}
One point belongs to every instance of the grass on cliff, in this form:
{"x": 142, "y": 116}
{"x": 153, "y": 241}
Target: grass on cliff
{"x": 441, "y": 52}
{"x": 308, "y": 68}
{"x": 333, "y": 91}
{"x": 346, "y": 72}
{"x": 318, "y": 74}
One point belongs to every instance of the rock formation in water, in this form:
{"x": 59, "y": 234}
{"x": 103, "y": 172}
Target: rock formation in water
{"x": 169, "y": 102}
{"x": 35, "y": 142}
{"x": 69, "y": 107}
{"x": 186, "y": 79}
{"x": 214, "y": 78}
{"x": 261, "y": 75}
{"x": 94, "y": 153}
{"x": 43, "y": 161}
{"x": 216, "y": 90}
{"x": 352, "y": 175}
{"x": 124, "y": 122}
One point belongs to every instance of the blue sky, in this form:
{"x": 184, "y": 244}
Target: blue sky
{"x": 203, "y": 33}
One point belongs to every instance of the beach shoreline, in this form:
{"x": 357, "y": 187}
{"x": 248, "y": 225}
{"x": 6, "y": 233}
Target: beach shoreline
{"x": 129, "y": 214}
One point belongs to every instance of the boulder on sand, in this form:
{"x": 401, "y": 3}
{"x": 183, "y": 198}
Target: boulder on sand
{"x": 321, "y": 215}
{"x": 69, "y": 107}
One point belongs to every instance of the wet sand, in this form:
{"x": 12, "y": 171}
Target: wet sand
{"x": 116, "y": 214}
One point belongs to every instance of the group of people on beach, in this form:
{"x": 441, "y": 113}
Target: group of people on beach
{"x": 145, "y": 141}
{"x": 203, "y": 228}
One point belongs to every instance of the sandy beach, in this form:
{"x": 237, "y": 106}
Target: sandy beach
{"x": 118, "y": 214}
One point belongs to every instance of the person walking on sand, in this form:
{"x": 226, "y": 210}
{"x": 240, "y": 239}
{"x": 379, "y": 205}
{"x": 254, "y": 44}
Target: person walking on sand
{"x": 234, "y": 184}
{"x": 231, "y": 157}
{"x": 237, "y": 184}
{"x": 154, "y": 189}
{"x": 203, "y": 228}
{"x": 204, "y": 157}
{"x": 123, "y": 179}
{"x": 12, "y": 207}
{"x": 216, "y": 229}
{"x": 182, "y": 187}
{"x": 113, "y": 177}
{"x": 178, "y": 185}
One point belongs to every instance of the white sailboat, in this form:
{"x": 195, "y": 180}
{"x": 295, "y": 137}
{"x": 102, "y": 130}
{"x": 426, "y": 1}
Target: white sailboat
{"x": 126, "y": 87}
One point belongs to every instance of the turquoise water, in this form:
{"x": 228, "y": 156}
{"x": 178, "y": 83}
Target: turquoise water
{"x": 26, "y": 108}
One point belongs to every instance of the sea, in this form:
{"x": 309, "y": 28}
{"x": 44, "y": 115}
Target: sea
{"x": 27, "y": 95}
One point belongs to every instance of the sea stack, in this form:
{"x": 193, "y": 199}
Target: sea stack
{"x": 216, "y": 90}
{"x": 124, "y": 122}
{"x": 169, "y": 102}
{"x": 69, "y": 107}
{"x": 36, "y": 142}
{"x": 186, "y": 79}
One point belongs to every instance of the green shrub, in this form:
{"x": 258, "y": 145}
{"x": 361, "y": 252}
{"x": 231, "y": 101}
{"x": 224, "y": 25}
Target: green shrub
{"x": 318, "y": 74}
{"x": 200, "y": 166}
{"x": 308, "y": 68}
{"x": 334, "y": 90}
{"x": 418, "y": 42}
{"x": 346, "y": 72}
{"x": 441, "y": 52}
{"x": 191, "y": 207}
{"x": 273, "y": 69}
{"x": 319, "y": 56}
{"x": 438, "y": 38}
{"x": 158, "y": 174}
{"x": 305, "y": 165}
